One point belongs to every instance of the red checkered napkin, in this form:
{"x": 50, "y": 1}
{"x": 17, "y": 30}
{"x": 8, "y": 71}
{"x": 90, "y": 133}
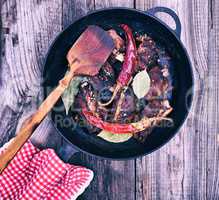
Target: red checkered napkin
{"x": 35, "y": 174}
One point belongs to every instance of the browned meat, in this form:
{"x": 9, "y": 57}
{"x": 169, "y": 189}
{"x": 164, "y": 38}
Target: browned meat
{"x": 79, "y": 118}
{"x": 159, "y": 84}
{"x": 128, "y": 107}
{"x": 147, "y": 52}
{"x": 104, "y": 79}
{"x": 104, "y": 113}
{"x": 152, "y": 109}
{"x": 155, "y": 108}
{"x": 107, "y": 72}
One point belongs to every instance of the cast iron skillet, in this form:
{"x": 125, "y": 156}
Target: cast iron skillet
{"x": 56, "y": 66}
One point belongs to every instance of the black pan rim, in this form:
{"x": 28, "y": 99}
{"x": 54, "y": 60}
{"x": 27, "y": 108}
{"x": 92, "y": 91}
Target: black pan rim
{"x": 190, "y": 67}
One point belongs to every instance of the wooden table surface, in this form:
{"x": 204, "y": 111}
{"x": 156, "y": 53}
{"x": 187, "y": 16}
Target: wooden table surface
{"x": 187, "y": 167}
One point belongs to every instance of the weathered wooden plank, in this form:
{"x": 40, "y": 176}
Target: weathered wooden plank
{"x": 111, "y": 177}
{"x": 28, "y": 29}
{"x": 195, "y": 143}
{"x": 112, "y": 180}
{"x": 73, "y": 10}
{"x": 179, "y": 170}
{"x": 213, "y": 108}
{"x": 9, "y": 116}
{"x": 187, "y": 167}
{"x": 113, "y": 3}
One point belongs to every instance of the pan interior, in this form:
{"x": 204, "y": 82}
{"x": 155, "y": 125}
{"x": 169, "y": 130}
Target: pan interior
{"x": 56, "y": 66}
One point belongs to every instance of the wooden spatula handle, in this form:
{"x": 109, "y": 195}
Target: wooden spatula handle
{"x": 33, "y": 122}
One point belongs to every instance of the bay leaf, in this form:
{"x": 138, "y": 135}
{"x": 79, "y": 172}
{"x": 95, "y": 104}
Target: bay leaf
{"x": 141, "y": 84}
{"x": 69, "y": 94}
{"x": 113, "y": 137}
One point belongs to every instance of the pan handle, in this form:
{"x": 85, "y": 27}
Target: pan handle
{"x": 66, "y": 151}
{"x": 155, "y": 10}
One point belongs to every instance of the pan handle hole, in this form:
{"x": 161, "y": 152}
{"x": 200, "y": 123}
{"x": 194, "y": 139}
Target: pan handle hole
{"x": 167, "y": 19}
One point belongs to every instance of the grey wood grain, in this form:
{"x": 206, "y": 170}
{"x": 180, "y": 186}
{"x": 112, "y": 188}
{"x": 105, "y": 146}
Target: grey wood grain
{"x": 185, "y": 168}
{"x": 72, "y": 10}
{"x": 28, "y": 27}
{"x": 9, "y": 117}
{"x": 213, "y": 108}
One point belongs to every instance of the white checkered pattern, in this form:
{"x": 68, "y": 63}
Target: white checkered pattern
{"x": 35, "y": 174}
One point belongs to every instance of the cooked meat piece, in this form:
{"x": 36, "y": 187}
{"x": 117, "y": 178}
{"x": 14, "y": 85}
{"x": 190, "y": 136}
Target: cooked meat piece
{"x": 107, "y": 72}
{"x": 166, "y": 64}
{"x": 164, "y": 61}
{"x": 155, "y": 108}
{"x": 119, "y": 42}
{"x": 104, "y": 95}
{"x": 105, "y": 78}
{"x": 79, "y": 118}
{"x": 152, "y": 109}
{"x": 147, "y": 52}
{"x": 159, "y": 84}
{"x": 96, "y": 83}
{"x": 105, "y": 113}
{"x": 140, "y": 104}
{"x": 128, "y": 107}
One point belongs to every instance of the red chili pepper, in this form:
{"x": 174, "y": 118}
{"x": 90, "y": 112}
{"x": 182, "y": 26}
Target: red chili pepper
{"x": 112, "y": 127}
{"x": 141, "y": 125}
{"x": 130, "y": 60}
{"x": 129, "y": 64}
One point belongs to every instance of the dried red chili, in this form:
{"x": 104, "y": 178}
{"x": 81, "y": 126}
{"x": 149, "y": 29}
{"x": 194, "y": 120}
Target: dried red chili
{"x": 135, "y": 127}
{"x": 129, "y": 64}
{"x": 130, "y": 61}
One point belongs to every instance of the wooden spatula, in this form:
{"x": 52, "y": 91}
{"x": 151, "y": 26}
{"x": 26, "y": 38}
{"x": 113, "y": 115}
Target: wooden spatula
{"x": 86, "y": 56}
